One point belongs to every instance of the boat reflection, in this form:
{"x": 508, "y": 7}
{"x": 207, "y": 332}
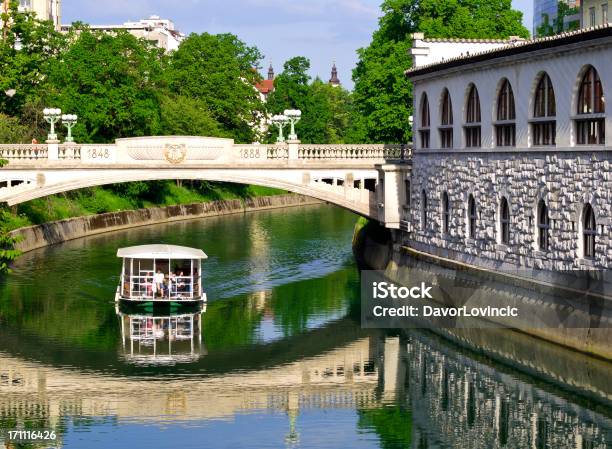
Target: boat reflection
{"x": 161, "y": 337}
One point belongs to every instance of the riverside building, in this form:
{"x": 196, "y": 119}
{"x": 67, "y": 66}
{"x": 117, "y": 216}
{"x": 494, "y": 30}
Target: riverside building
{"x": 513, "y": 151}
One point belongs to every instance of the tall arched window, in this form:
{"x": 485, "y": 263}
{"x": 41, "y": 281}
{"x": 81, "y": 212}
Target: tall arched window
{"x": 505, "y": 127}
{"x": 445, "y": 213}
{"x": 589, "y": 231}
{"x": 446, "y": 121}
{"x": 423, "y": 209}
{"x": 591, "y": 130}
{"x": 472, "y": 217}
{"x": 425, "y": 122}
{"x": 504, "y": 221}
{"x": 543, "y": 124}
{"x": 543, "y": 226}
{"x": 472, "y": 119}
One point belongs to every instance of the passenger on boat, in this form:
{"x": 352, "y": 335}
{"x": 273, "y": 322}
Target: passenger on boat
{"x": 159, "y": 282}
{"x": 148, "y": 283}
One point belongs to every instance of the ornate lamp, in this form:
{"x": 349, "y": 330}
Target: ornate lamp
{"x": 69, "y": 120}
{"x": 280, "y": 121}
{"x": 52, "y": 116}
{"x": 294, "y": 116}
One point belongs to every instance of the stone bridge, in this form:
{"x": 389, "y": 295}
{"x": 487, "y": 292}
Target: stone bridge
{"x": 345, "y": 175}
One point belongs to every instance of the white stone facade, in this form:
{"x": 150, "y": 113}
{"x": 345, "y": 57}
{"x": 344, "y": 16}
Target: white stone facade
{"x": 565, "y": 175}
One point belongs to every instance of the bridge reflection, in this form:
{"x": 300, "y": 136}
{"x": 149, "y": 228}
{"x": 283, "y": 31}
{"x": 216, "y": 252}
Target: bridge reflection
{"x": 451, "y": 398}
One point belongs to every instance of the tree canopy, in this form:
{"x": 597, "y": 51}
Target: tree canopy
{"x": 382, "y": 94}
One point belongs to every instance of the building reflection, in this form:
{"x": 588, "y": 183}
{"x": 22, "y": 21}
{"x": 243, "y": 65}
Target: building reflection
{"x": 158, "y": 338}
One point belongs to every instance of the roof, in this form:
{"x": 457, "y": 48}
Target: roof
{"x": 161, "y": 252}
{"x": 514, "y": 48}
{"x": 265, "y": 86}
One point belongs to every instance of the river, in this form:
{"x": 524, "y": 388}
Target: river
{"x": 276, "y": 359}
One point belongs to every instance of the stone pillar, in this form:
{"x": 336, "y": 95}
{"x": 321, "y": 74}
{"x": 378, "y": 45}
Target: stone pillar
{"x": 391, "y": 194}
{"x": 53, "y": 149}
{"x": 294, "y": 146}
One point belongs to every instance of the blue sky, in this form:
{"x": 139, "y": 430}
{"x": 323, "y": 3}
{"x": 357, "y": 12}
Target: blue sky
{"x": 322, "y": 30}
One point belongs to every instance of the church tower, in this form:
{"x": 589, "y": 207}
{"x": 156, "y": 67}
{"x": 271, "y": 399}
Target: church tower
{"x": 334, "y": 80}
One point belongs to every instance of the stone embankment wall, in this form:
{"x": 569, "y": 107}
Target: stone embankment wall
{"x": 403, "y": 265}
{"x": 60, "y": 231}
{"x": 565, "y": 180}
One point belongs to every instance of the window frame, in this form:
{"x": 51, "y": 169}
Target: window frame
{"x": 590, "y": 118}
{"x": 473, "y": 118}
{"x": 505, "y": 124}
{"x": 446, "y": 120}
{"x": 425, "y": 122}
{"x": 504, "y": 221}
{"x": 544, "y": 122}
{"x": 543, "y": 226}
{"x": 472, "y": 217}
{"x": 424, "y": 210}
{"x": 445, "y": 213}
{"x": 589, "y": 232}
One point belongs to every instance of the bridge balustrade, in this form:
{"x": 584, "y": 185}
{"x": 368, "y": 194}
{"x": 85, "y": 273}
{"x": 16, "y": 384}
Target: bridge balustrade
{"x": 23, "y": 151}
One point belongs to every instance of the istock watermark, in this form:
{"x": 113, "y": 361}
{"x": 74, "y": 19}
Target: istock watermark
{"x": 425, "y": 299}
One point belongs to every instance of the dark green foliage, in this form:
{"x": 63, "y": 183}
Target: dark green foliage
{"x": 382, "y": 95}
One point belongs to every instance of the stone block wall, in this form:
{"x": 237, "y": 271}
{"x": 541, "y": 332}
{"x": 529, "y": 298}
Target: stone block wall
{"x": 565, "y": 180}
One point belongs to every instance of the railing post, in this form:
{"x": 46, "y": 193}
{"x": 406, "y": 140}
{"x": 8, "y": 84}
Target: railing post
{"x": 53, "y": 149}
{"x": 294, "y": 148}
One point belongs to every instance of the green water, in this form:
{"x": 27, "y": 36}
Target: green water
{"x": 276, "y": 359}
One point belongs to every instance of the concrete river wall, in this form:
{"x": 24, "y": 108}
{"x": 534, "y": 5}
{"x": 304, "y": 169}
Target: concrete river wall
{"x": 35, "y": 237}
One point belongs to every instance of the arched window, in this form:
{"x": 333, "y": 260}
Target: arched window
{"x": 543, "y": 226}
{"x": 591, "y": 130}
{"x": 446, "y": 121}
{"x": 504, "y": 221}
{"x": 589, "y": 231}
{"x": 472, "y": 217}
{"x": 425, "y": 122}
{"x": 505, "y": 128}
{"x": 423, "y": 209}
{"x": 445, "y": 213}
{"x": 543, "y": 124}
{"x": 472, "y": 119}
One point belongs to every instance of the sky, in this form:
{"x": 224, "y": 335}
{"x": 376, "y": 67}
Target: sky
{"x": 321, "y": 30}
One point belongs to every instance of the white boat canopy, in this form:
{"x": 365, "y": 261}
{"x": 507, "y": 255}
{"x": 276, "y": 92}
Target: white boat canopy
{"x": 172, "y": 252}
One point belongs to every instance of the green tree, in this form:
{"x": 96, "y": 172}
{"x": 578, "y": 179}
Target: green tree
{"x": 382, "y": 94}
{"x": 111, "y": 82}
{"x": 8, "y": 253}
{"x": 184, "y": 116}
{"x": 219, "y": 70}
{"x": 27, "y": 48}
{"x": 12, "y": 131}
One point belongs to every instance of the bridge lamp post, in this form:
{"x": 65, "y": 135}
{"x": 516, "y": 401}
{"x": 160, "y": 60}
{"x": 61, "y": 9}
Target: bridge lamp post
{"x": 52, "y": 116}
{"x": 294, "y": 116}
{"x": 69, "y": 121}
{"x": 280, "y": 121}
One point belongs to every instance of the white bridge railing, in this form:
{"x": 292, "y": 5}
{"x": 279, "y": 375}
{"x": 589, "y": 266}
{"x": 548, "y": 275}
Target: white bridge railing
{"x": 199, "y": 152}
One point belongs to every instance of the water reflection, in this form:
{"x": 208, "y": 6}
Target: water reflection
{"x": 157, "y": 338}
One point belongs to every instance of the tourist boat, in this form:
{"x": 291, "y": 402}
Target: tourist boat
{"x": 161, "y": 274}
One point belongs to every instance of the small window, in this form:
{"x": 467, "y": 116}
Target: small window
{"x": 604, "y": 14}
{"x": 591, "y": 130}
{"x": 472, "y": 217}
{"x": 543, "y": 126}
{"x": 425, "y": 122}
{"x": 505, "y": 128}
{"x": 445, "y": 213}
{"x": 589, "y": 232}
{"x": 504, "y": 221}
{"x": 543, "y": 226}
{"x": 446, "y": 128}
{"x": 423, "y": 210}
{"x": 592, "y": 21}
{"x": 472, "y": 120}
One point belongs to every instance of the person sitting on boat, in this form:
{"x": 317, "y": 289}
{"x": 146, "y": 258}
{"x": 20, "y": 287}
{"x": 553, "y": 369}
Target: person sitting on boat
{"x": 148, "y": 284}
{"x": 159, "y": 282}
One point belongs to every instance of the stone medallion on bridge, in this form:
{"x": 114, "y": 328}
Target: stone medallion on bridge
{"x": 175, "y": 153}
